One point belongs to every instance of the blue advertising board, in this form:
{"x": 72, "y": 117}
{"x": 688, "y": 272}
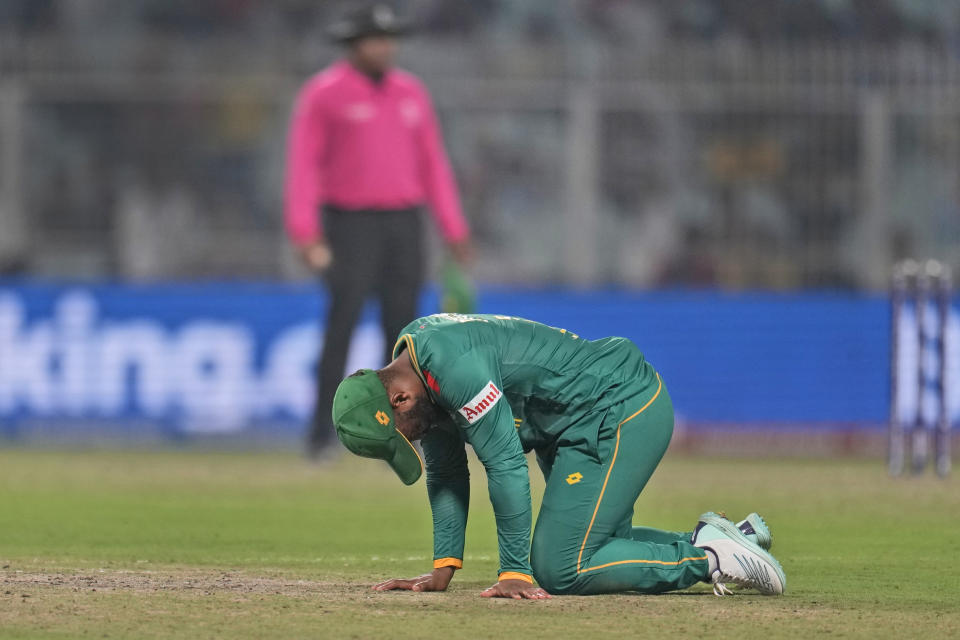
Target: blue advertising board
{"x": 224, "y": 358}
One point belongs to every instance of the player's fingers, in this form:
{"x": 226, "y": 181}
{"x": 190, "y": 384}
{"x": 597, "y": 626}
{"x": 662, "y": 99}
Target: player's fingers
{"x": 489, "y": 592}
{"x": 389, "y": 585}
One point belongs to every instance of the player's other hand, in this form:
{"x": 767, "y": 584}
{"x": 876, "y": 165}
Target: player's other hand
{"x": 316, "y": 255}
{"x": 436, "y": 581}
{"x": 516, "y": 589}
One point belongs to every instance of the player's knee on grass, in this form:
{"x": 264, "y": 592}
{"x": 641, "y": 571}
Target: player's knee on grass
{"x": 553, "y": 570}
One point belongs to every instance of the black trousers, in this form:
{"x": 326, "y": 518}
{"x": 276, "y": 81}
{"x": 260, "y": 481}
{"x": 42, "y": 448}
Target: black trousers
{"x": 375, "y": 253}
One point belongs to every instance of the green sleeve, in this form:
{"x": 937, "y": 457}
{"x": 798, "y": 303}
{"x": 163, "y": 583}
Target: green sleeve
{"x": 448, "y": 486}
{"x": 494, "y": 439}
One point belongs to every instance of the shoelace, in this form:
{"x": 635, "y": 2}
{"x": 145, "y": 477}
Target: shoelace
{"x": 719, "y": 588}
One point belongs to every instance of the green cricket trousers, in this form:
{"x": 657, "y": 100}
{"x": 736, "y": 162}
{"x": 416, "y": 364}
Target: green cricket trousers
{"x": 584, "y": 541}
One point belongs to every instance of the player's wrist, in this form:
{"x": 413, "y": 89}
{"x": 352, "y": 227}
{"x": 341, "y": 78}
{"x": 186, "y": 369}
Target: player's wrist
{"x": 440, "y": 578}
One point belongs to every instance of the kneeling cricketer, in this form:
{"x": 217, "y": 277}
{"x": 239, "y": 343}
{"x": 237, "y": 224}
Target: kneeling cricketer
{"x": 599, "y": 419}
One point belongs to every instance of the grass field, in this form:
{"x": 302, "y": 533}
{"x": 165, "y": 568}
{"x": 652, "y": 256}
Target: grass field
{"x": 186, "y": 544}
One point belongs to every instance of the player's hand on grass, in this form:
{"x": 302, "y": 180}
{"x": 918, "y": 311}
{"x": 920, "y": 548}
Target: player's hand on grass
{"x": 316, "y": 255}
{"x": 516, "y": 589}
{"x": 436, "y": 581}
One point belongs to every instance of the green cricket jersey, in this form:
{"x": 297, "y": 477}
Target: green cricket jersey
{"x": 510, "y": 386}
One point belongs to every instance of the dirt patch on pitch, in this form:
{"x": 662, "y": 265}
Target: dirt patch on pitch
{"x": 13, "y": 582}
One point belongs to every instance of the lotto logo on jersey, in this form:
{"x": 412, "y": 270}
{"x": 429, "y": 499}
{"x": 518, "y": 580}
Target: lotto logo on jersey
{"x": 481, "y": 403}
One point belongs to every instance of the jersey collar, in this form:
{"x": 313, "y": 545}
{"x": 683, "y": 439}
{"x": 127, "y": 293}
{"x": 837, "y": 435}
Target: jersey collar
{"x": 405, "y": 342}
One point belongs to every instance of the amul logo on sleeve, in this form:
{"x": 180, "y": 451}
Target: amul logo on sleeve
{"x": 481, "y": 403}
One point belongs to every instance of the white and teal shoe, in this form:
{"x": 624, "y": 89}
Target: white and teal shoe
{"x": 738, "y": 560}
{"x": 753, "y": 526}
{"x": 756, "y": 530}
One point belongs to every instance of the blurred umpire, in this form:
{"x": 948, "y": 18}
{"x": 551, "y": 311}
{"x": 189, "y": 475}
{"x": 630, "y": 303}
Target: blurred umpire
{"x": 364, "y": 156}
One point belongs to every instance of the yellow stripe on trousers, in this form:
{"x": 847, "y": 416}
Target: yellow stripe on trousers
{"x": 603, "y": 489}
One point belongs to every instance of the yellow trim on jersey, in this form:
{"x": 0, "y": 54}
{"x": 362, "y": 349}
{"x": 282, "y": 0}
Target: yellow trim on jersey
{"x": 456, "y": 563}
{"x": 408, "y": 339}
{"x": 412, "y": 354}
{"x": 513, "y": 575}
{"x": 613, "y": 461}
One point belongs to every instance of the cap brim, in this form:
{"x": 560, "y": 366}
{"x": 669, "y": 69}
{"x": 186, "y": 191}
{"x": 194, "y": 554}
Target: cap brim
{"x": 406, "y": 460}
{"x": 344, "y": 36}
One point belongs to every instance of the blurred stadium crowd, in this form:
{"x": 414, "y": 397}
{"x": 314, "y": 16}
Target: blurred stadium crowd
{"x": 734, "y": 143}
{"x": 877, "y": 20}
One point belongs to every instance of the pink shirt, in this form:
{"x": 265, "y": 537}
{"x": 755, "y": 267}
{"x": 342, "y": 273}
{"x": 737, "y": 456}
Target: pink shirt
{"x": 357, "y": 144}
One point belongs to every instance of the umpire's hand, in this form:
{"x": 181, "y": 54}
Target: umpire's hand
{"x": 316, "y": 255}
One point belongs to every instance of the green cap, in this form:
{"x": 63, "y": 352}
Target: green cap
{"x": 365, "y": 425}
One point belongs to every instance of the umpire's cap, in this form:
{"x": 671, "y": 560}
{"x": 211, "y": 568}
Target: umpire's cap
{"x": 378, "y": 19}
{"x": 365, "y": 425}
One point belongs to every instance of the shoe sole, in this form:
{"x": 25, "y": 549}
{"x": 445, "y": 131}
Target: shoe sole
{"x": 732, "y": 532}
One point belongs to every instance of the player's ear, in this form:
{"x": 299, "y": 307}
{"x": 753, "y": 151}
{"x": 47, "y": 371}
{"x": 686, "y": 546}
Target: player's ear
{"x": 399, "y": 398}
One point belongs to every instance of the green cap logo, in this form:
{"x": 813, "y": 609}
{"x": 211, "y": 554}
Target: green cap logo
{"x": 364, "y": 421}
